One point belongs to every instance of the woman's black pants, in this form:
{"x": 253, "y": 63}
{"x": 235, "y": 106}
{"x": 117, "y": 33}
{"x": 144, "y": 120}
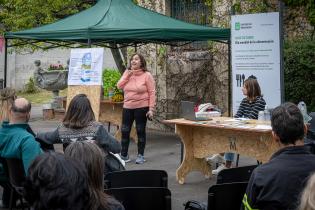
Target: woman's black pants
{"x": 128, "y": 117}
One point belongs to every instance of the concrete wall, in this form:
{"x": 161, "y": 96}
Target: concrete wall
{"x": 21, "y": 65}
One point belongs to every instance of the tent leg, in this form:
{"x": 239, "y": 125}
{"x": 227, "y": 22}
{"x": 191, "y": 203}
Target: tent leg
{"x": 229, "y": 80}
{"x": 5, "y": 62}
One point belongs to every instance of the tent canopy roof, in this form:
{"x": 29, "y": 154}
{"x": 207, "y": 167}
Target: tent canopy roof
{"x": 120, "y": 21}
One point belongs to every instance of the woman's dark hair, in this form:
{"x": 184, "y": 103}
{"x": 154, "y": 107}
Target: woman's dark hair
{"x": 79, "y": 112}
{"x": 143, "y": 63}
{"x": 287, "y": 122}
{"x": 93, "y": 159}
{"x": 253, "y": 88}
{"x": 55, "y": 182}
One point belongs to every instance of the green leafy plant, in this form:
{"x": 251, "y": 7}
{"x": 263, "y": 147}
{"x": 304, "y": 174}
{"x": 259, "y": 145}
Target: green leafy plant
{"x": 30, "y": 86}
{"x": 299, "y": 72}
{"x": 110, "y": 79}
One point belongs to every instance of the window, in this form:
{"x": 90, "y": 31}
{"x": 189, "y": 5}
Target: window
{"x": 192, "y": 11}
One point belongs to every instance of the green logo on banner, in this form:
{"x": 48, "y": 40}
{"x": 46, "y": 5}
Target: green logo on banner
{"x": 237, "y": 26}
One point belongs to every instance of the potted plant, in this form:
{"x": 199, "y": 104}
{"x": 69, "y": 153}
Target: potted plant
{"x": 110, "y": 79}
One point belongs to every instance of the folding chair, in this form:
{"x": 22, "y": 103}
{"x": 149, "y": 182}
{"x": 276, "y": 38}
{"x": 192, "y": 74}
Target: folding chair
{"x": 226, "y": 196}
{"x": 136, "y": 178}
{"x": 142, "y": 198}
{"x": 16, "y": 174}
{"x": 239, "y": 174}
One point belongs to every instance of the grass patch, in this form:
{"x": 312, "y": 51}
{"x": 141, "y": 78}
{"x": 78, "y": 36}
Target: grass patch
{"x": 41, "y": 97}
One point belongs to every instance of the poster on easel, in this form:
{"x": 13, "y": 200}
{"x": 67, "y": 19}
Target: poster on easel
{"x": 255, "y": 51}
{"x": 86, "y": 66}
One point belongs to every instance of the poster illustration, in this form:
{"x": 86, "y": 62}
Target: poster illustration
{"x": 86, "y": 66}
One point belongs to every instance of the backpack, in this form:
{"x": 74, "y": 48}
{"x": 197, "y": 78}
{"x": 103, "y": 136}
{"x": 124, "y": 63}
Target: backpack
{"x": 195, "y": 205}
{"x": 112, "y": 163}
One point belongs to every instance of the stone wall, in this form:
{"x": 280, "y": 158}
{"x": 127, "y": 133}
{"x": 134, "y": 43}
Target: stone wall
{"x": 179, "y": 74}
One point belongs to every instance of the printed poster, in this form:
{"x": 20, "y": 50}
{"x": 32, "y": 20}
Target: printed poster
{"x": 86, "y": 66}
{"x": 256, "y": 52}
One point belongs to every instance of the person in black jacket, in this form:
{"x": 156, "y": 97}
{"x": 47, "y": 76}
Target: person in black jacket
{"x": 278, "y": 183}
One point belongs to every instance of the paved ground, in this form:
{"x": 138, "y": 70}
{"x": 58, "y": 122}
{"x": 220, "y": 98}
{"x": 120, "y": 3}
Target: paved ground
{"x": 162, "y": 152}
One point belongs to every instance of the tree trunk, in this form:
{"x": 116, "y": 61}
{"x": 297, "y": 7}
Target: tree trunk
{"x": 117, "y": 57}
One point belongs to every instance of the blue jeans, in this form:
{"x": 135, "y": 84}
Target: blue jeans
{"x": 229, "y": 156}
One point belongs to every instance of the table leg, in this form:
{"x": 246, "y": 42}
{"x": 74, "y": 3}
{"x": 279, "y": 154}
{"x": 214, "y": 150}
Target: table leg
{"x": 189, "y": 163}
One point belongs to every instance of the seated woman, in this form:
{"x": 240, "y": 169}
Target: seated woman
{"x": 55, "y": 182}
{"x": 249, "y": 108}
{"x": 79, "y": 125}
{"x": 93, "y": 159}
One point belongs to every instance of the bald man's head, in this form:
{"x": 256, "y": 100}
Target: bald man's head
{"x": 21, "y": 105}
{"x": 20, "y": 109}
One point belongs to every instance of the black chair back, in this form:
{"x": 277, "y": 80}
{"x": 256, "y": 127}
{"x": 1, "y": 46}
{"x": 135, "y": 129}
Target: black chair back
{"x": 239, "y": 174}
{"x": 17, "y": 177}
{"x": 16, "y": 172}
{"x": 142, "y": 198}
{"x": 226, "y": 196}
{"x": 136, "y": 178}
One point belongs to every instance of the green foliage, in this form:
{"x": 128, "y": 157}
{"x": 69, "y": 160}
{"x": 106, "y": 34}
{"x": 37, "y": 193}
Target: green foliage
{"x": 20, "y": 14}
{"x": 110, "y": 79}
{"x": 310, "y": 7}
{"x": 30, "y": 86}
{"x": 299, "y": 72}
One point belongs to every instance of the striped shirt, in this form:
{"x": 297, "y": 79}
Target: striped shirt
{"x": 249, "y": 109}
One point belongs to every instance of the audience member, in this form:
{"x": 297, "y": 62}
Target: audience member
{"x": 79, "y": 125}
{"x": 278, "y": 183}
{"x": 308, "y": 195}
{"x": 7, "y": 97}
{"x": 55, "y": 182}
{"x": 15, "y": 139}
{"x": 92, "y": 158}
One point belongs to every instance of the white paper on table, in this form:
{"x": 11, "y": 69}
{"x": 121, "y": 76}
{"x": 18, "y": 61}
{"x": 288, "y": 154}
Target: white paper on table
{"x": 263, "y": 127}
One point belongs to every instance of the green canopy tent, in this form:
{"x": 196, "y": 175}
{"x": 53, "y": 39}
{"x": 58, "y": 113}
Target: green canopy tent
{"x": 112, "y": 22}
{"x": 120, "y": 21}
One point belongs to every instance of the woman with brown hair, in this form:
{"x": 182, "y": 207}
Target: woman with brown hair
{"x": 139, "y": 102}
{"x": 79, "y": 125}
{"x": 7, "y": 97}
{"x": 308, "y": 195}
{"x": 249, "y": 108}
{"x": 92, "y": 158}
{"x": 253, "y": 102}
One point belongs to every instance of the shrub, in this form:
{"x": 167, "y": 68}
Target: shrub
{"x": 30, "y": 86}
{"x": 299, "y": 72}
{"x": 110, "y": 79}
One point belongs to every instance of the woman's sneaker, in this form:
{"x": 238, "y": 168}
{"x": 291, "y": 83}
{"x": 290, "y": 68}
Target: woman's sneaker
{"x": 126, "y": 159}
{"x": 140, "y": 159}
{"x": 220, "y": 168}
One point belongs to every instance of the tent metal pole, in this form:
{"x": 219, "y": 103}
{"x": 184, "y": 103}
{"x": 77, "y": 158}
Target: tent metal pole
{"x": 229, "y": 79}
{"x": 5, "y": 62}
{"x": 281, "y": 8}
{"x": 89, "y": 43}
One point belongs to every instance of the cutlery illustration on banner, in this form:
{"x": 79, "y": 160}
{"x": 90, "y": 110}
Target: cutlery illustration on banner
{"x": 238, "y": 80}
{"x": 243, "y": 78}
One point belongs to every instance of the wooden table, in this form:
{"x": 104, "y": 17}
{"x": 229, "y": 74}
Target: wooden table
{"x": 202, "y": 139}
{"x": 111, "y": 112}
